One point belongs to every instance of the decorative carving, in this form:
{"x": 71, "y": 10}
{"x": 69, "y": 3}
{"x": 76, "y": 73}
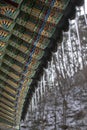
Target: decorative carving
{"x": 38, "y": 53}
{"x": 5, "y": 23}
{"x": 8, "y": 10}
{"x": 2, "y": 44}
{"x": 43, "y": 42}
{"x": 33, "y": 64}
{"x": 3, "y": 34}
{"x": 58, "y": 4}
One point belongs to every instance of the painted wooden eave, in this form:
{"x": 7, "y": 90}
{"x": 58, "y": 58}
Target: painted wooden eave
{"x": 29, "y": 32}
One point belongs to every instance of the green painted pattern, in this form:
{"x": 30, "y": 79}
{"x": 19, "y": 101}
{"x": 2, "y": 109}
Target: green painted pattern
{"x": 25, "y": 32}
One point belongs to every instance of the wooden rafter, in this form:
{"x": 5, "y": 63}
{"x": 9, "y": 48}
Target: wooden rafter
{"x": 11, "y": 3}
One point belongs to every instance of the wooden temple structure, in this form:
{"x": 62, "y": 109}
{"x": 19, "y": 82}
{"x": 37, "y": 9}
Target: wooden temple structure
{"x": 29, "y": 32}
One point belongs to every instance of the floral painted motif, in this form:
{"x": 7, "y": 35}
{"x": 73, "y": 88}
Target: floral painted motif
{"x": 3, "y": 34}
{"x": 5, "y": 23}
{"x": 2, "y": 44}
{"x": 8, "y": 10}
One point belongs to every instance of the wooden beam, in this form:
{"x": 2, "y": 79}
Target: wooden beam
{"x": 11, "y": 3}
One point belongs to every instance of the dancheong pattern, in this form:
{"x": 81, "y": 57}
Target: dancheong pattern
{"x": 27, "y": 28}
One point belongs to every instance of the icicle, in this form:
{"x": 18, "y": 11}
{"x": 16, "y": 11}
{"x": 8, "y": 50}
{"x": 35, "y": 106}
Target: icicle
{"x": 48, "y": 73}
{"x": 32, "y": 104}
{"x": 38, "y": 96}
{"x": 63, "y": 48}
{"x": 70, "y": 42}
{"x": 44, "y": 81}
{"x": 58, "y": 61}
{"x": 41, "y": 87}
{"x": 62, "y": 61}
{"x": 79, "y": 41}
{"x": 52, "y": 74}
{"x": 35, "y": 99}
{"x": 85, "y": 17}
